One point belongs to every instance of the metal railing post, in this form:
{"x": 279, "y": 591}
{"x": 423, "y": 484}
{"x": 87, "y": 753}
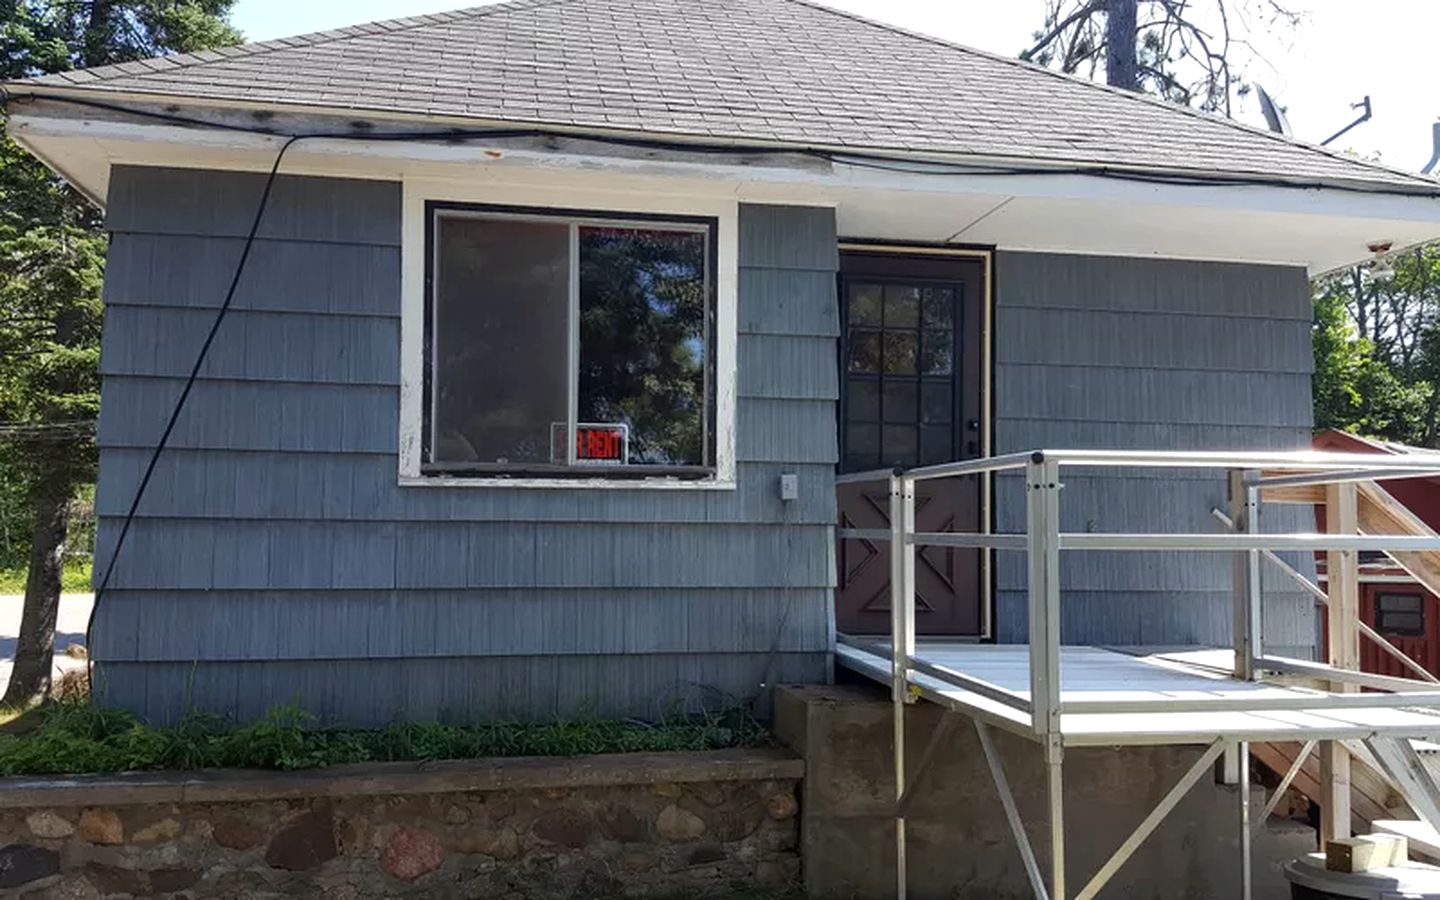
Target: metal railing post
{"x": 1043, "y": 542}
{"x": 1244, "y": 514}
{"x": 899, "y": 660}
{"x": 1042, "y": 526}
{"x": 907, "y": 551}
{"x": 1042, "y": 496}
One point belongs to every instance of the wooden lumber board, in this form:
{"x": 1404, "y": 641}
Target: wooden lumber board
{"x": 1380, "y": 513}
{"x": 1370, "y": 794}
{"x": 1366, "y": 853}
{"x": 1424, "y": 842}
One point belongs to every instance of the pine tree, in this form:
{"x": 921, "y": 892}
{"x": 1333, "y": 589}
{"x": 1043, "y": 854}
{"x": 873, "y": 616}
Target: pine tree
{"x": 51, "y": 264}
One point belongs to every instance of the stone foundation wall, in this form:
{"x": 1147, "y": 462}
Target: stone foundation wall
{"x": 637, "y": 825}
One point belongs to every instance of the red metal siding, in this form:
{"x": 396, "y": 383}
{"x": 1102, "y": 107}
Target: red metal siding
{"x": 1422, "y": 497}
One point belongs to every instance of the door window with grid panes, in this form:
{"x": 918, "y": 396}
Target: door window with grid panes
{"x": 901, "y": 348}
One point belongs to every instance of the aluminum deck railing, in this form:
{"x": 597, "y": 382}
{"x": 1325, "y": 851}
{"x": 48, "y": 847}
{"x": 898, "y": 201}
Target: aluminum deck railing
{"x": 1248, "y": 475}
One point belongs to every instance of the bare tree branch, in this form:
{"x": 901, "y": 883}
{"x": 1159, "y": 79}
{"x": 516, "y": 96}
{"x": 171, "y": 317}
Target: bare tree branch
{"x": 1186, "y": 48}
{"x": 1085, "y": 9}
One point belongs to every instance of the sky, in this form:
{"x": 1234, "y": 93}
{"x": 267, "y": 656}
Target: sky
{"x": 1342, "y": 51}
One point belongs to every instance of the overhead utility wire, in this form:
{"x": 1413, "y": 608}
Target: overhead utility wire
{"x": 885, "y": 162}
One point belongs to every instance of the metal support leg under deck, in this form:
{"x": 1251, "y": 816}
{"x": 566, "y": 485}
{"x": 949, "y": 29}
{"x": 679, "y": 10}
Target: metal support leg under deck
{"x": 942, "y": 731}
{"x": 1012, "y": 813}
{"x": 1055, "y": 790}
{"x": 902, "y": 645}
{"x": 900, "y": 890}
{"x": 1152, "y": 821}
{"x": 1042, "y": 525}
{"x": 1246, "y": 875}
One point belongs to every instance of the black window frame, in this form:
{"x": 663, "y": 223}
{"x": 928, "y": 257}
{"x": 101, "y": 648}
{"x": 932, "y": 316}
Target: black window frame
{"x": 434, "y": 209}
{"x": 1381, "y": 612}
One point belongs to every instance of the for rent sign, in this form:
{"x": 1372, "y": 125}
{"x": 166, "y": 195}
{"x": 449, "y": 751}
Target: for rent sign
{"x": 596, "y": 444}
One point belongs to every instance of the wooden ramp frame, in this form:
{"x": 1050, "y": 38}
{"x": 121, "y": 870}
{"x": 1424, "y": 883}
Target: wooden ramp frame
{"x": 1079, "y": 696}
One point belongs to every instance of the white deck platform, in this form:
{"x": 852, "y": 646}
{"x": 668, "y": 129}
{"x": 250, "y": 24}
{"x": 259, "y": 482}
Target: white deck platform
{"x": 1151, "y": 682}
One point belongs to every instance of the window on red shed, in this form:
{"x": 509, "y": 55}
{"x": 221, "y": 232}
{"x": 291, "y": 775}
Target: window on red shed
{"x": 1400, "y": 614}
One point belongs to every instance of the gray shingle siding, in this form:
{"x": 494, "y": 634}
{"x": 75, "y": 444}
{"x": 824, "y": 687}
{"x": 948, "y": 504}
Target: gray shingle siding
{"x": 1103, "y": 352}
{"x": 466, "y": 688}
{"x": 275, "y": 557}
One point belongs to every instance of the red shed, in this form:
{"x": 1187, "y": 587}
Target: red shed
{"x": 1391, "y": 600}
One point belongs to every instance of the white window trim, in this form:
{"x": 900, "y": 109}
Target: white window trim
{"x": 417, "y": 192}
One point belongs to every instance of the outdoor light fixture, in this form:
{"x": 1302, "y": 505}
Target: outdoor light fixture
{"x": 1381, "y": 268}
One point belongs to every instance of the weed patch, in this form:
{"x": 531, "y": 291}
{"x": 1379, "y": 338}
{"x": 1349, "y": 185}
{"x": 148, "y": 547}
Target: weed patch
{"x": 74, "y": 738}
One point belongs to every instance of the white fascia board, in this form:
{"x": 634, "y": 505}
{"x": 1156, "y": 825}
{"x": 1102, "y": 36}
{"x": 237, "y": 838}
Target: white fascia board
{"x": 90, "y": 145}
{"x": 795, "y": 170}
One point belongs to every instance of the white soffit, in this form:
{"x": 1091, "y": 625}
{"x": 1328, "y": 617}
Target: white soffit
{"x": 1321, "y": 229}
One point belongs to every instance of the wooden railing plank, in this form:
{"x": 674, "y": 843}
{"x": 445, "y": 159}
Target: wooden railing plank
{"x": 1380, "y": 513}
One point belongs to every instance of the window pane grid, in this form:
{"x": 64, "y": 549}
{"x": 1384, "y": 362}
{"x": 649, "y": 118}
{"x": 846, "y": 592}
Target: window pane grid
{"x": 901, "y": 365}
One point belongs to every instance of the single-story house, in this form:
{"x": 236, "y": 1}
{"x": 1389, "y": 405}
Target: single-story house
{"x": 561, "y": 316}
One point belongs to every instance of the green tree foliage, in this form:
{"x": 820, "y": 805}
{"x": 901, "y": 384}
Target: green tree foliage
{"x": 1376, "y": 344}
{"x": 43, "y": 36}
{"x": 51, "y": 264}
{"x": 1377, "y": 350}
{"x": 643, "y": 340}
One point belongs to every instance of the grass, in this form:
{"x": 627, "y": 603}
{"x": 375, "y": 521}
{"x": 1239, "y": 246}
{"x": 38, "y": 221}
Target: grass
{"x": 72, "y": 738}
{"x": 76, "y": 579}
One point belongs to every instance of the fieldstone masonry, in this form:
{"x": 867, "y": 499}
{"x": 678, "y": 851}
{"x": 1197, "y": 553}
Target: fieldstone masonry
{"x": 633, "y": 825}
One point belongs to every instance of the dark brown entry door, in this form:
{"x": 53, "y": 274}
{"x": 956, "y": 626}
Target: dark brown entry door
{"x": 910, "y": 374}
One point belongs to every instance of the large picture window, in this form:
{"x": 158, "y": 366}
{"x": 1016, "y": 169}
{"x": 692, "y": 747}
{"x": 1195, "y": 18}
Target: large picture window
{"x": 571, "y": 344}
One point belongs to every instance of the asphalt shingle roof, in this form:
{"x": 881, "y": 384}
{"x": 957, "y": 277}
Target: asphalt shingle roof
{"x": 739, "y": 70}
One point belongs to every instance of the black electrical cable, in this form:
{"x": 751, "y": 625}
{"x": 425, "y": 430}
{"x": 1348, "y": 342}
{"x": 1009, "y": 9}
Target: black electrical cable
{"x": 885, "y": 162}
{"x": 189, "y": 384}
{"x": 877, "y": 161}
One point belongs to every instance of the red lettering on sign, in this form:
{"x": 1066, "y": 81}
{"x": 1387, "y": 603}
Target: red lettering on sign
{"x": 599, "y": 443}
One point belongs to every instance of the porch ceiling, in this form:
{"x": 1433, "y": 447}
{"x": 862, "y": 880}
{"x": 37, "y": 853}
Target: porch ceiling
{"x": 1116, "y": 226}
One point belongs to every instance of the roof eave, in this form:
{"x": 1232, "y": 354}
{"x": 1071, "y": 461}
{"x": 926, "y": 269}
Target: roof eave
{"x": 96, "y": 97}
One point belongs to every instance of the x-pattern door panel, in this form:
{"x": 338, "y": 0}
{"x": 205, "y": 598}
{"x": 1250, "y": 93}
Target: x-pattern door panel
{"x": 909, "y": 367}
{"x": 941, "y": 573}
